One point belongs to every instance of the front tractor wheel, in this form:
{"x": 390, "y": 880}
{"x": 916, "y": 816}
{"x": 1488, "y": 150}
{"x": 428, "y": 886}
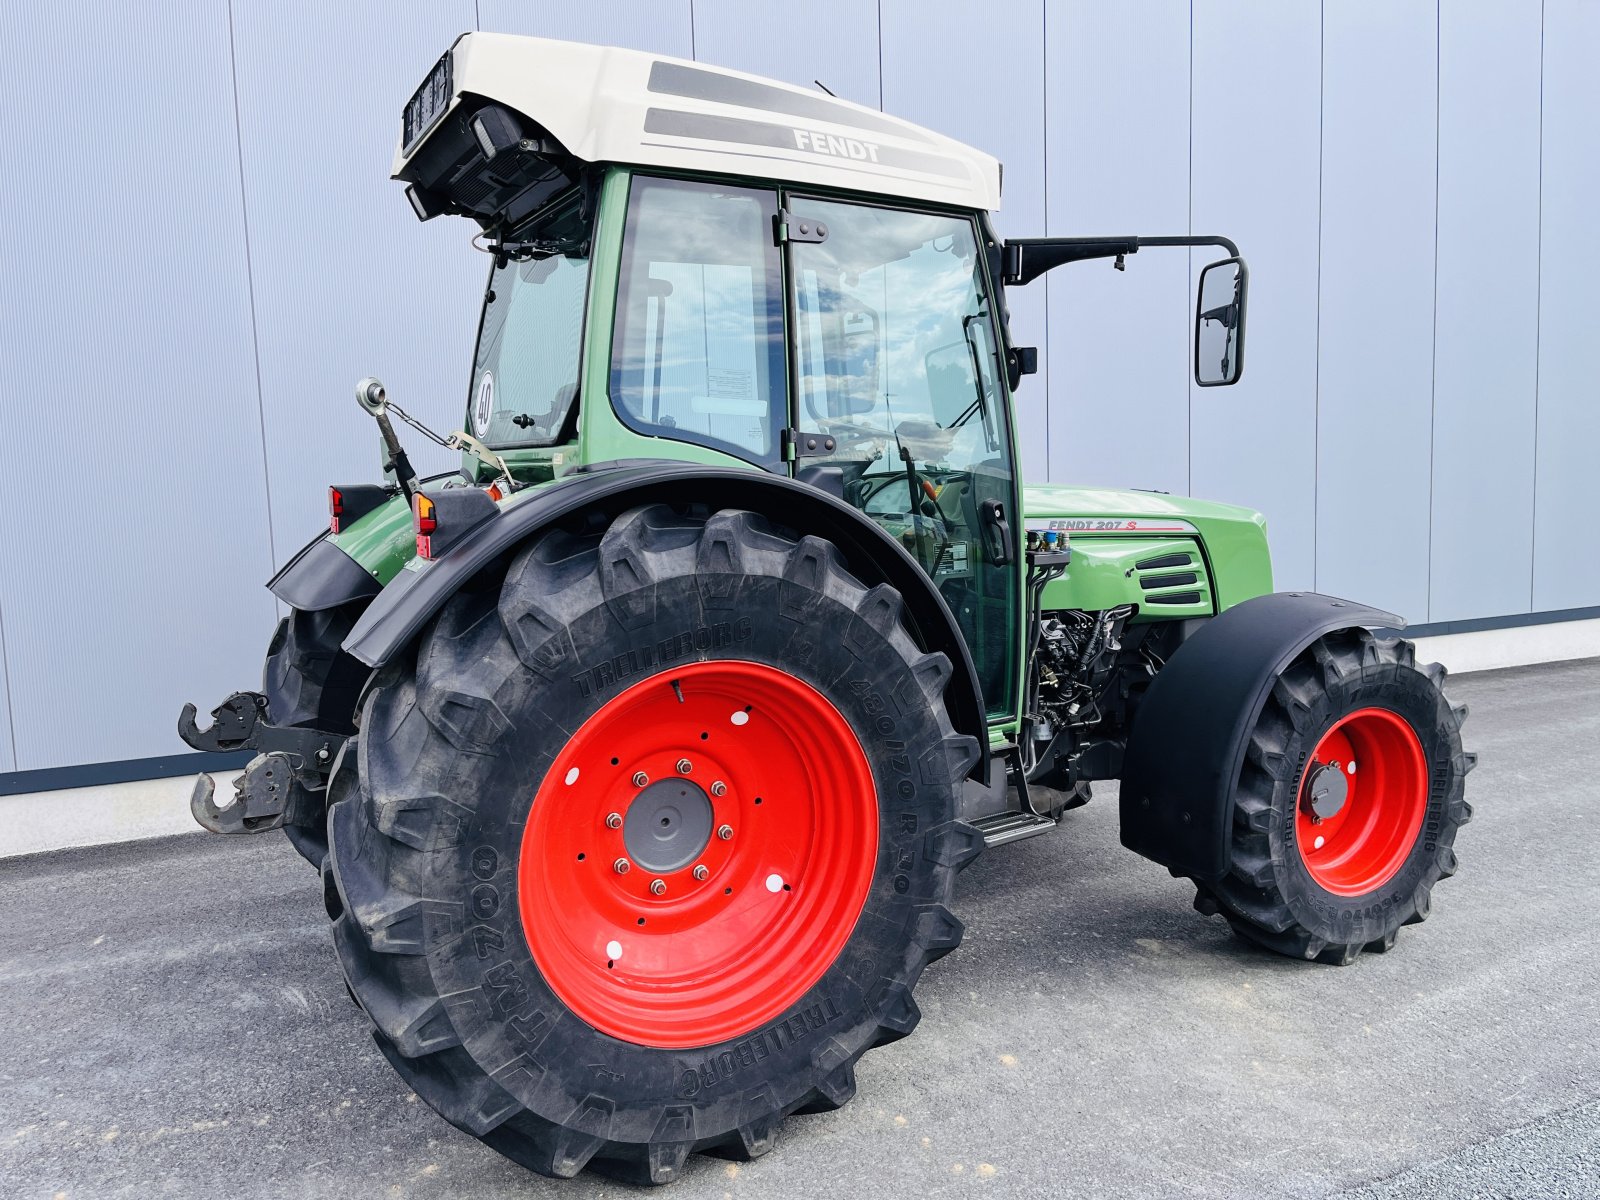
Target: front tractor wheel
{"x": 1348, "y": 804}
{"x": 651, "y": 843}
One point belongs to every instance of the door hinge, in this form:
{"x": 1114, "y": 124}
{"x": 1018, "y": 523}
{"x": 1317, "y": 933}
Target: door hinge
{"x": 799, "y": 444}
{"x": 790, "y": 228}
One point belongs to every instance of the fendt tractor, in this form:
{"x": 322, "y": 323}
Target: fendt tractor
{"x": 640, "y": 755}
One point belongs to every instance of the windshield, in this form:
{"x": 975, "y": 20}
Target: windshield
{"x": 525, "y": 373}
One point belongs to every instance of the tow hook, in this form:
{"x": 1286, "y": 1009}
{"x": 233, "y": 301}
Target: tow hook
{"x": 260, "y": 802}
{"x": 293, "y": 763}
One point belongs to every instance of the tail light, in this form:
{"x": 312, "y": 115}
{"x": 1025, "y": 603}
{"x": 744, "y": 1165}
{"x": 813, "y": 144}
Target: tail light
{"x": 445, "y": 517}
{"x": 349, "y": 502}
{"x": 423, "y": 514}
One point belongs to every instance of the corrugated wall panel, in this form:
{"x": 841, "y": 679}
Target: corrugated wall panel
{"x": 1257, "y": 146}
{"x": 662, "y": 26}
{"x": 130, "y": 334}
{"x": 1487, "y": 332}
{"x": 132, "y": 445}
{"x": 1374, "y": 418}
{"x": 835, "y": 41}
{"x": 8, "y": 757}
{"x": 1566, "y": 566}
{"x": 1117, "y": 120}
{"x": 347, "y": 282}
{"x": 926, "y": 46}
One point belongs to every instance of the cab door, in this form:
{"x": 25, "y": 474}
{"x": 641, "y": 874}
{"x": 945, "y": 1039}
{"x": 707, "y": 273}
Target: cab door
{"x": 896, "y": 366}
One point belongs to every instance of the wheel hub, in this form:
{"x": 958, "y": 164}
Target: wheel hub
{"x": 668, "y": 825}
{"x": 1326, "y": 790}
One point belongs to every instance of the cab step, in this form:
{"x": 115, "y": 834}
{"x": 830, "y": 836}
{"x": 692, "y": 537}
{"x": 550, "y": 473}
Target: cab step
{"x": 1003, "y": 828}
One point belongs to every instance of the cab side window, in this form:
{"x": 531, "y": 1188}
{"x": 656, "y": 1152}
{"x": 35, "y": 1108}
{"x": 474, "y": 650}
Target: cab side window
{"x": 699, "y": 353}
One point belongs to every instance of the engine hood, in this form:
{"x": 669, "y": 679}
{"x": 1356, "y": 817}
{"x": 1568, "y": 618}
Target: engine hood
{"x": 1232, "y": 538}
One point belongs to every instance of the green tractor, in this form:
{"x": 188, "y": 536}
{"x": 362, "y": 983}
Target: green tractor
{"x": 639, "y": 757}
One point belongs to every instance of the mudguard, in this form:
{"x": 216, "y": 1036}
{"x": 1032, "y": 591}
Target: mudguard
{"x": 395, "y": 618}
{"x": 1188, "y": 740}
{"x": 322, "y": 576}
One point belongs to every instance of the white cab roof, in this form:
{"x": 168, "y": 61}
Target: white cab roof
{"x": 605, "y": 104}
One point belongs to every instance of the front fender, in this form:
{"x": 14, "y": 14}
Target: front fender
{"x": 395, "y": 618}
{"x": 1188, "y": 740}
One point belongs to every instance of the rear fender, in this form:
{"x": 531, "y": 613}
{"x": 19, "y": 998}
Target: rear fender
{"x": 397, "y": 616}
{"x": 322, "y": 576}
{"x": 1189, "y": 736}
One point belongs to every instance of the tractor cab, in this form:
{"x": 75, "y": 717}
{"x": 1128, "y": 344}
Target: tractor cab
{"x": 656, "y": 292}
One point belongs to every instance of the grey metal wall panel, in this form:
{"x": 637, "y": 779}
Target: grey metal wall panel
{"x": 1257, "y": 117}
{"x": 1487, "y": 327}
{"x": 1566, "y": 566}
{"x": 1376, "y": 359}
{"x": 662, "y": 26}
{"x": 1117, "y": 123}
{"x": 835, "y": 41}
{"x": 927, "y": 46}
{"x": 127, "y": 335}
{"x": 136, "y": 336}
{"x": 8, "y": 757}
{"x": 346, "y": 281}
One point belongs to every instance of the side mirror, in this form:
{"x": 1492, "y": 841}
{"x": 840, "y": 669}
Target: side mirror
{"x": 1219, "y": 323}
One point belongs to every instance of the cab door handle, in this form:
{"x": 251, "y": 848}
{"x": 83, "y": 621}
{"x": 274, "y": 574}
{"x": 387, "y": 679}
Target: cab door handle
{"x": 996, "y": 531}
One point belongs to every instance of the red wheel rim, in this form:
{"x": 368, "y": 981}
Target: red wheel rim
{"x": 675, "y": 954}
{"x": 1359, "y": 843}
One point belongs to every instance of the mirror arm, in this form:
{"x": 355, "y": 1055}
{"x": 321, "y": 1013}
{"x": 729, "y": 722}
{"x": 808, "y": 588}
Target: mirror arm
{"x": 1025, "y": 259}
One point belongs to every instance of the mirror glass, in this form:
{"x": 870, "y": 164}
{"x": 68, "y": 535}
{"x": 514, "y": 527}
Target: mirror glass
{"x": 952, "y": 385}
{"x": 1219, "y": 324}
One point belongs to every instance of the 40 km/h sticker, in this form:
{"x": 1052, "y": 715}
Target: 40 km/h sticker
{"x": 483, "y": 404}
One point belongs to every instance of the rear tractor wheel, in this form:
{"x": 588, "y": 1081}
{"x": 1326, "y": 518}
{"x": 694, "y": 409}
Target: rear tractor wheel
{"x": 1348, "y": 804}
{"x": 651, "y": 843}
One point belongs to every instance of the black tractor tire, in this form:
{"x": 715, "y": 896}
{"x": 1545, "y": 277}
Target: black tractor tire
{"x": 311, "y": 683}
{"x": 432, "y": 800}
{"x": 1271, "y": 896}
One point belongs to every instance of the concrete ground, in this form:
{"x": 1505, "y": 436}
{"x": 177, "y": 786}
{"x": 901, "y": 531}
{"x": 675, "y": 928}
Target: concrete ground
{"x": 175, "y": 1024}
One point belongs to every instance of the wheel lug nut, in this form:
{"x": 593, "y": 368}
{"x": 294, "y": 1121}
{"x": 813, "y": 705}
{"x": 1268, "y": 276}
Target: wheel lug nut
{"x": 613, "y": 820}
{"x": 621, "y": 866}
{"x": 701, "y": 872}
{"x": 640, "y": 779}
{"x": 719, "y": 788}
{"x": 684, "y": 766}
{"x": 658, "y": 887}
{"x": 725, "y": 832}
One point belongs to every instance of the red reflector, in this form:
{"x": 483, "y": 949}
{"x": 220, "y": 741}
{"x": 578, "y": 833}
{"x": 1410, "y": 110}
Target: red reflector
{"x": 335, "y": 508}
{"x": 424, "y": 546}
